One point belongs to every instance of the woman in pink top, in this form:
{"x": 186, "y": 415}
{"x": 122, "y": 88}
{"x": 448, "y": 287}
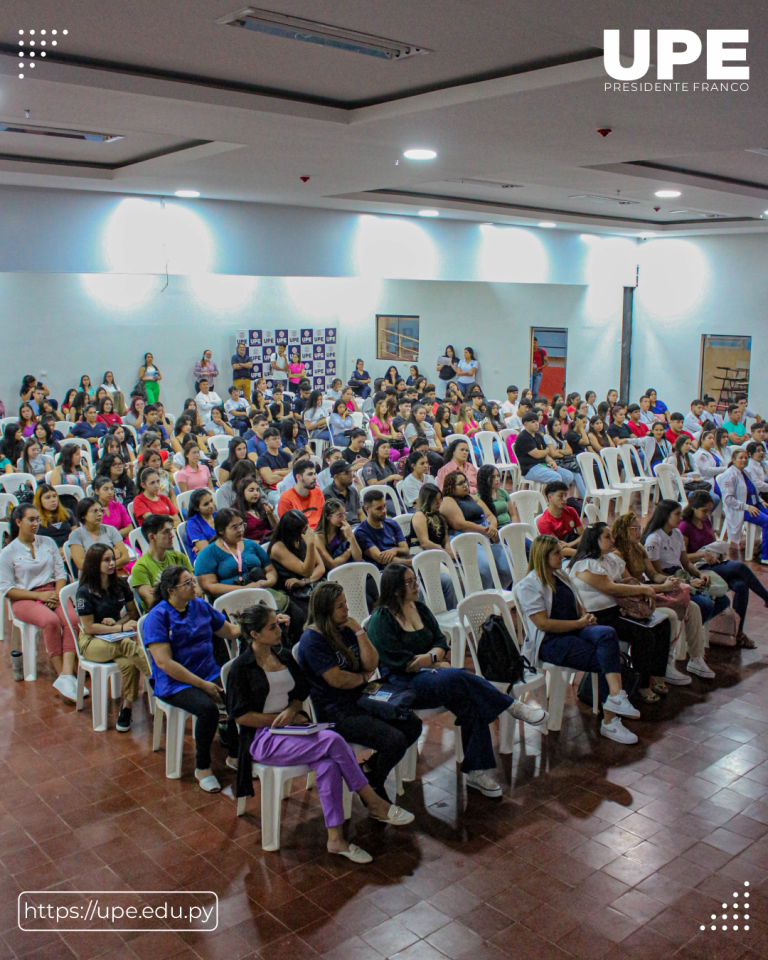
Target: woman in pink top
{"x": 457, "y": 458}
{"x": 27, "y": 419}
{"x": 295, "y": 370}
{"x": 115, "y": 514}
{"x": 107, "y": 413}
{"x": 382, "y": 429}
{"x": 193, "y": 475}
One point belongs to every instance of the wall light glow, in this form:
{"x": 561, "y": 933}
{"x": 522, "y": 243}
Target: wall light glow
{"x": 146, "y": 236}
{"x": 394, "y": 248}
{"x": 673, "y": 277}
{"x": 223, "y": 291}
{"x": 611, "y": 265}
{"x": 512, "y": 255}
{"x": 334, "y": 298}
{"x": 121, "y": 290}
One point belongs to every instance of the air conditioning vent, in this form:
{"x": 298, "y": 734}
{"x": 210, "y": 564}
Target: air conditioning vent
{"x": 495, "y": 184}
{"x": 9, "y": 127}
{"x": 596, "y": 198}
{"x": 324, "y": 34}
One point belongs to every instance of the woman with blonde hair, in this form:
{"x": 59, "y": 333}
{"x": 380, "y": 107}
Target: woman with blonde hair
{"x": 626, "y": 532}
{"x": 560, "y": 631}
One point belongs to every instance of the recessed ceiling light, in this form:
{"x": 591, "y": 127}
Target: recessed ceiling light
{"x": 429, "y": 213}
{"x": 667, "y": 193}
{"x": 187, "y": 193}
{"x": 547, "y": 223}
{"x": 587, "y": 237}
{"x": 419, "y": 154}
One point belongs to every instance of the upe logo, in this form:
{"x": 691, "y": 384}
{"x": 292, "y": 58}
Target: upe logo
{"x": 677, "y": 48}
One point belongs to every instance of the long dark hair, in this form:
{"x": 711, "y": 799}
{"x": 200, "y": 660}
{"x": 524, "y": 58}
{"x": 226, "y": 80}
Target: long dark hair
{"x": 412, "y": 421}
{"x": 12, "y": 445}
{"x": 17, "y": 515}
{"x": 589, "y": 545}
{"x": 662, "y": 513}
{"x": 392, "y": 595}
{"x": 193, "y": 509}
{"x": 253, "y": 620}
{"x": 427, "y": 499}
{"x": 90, "y": 576}
{"x": 678, "y": 452}
{"x": 289, "y": 531}
{"x": 66, "y": 456}
{"x": 231, "y": 460}
{"x": 696, "y": 500}
{"x": 241, "y": 506}
{"x": 167, "y": 580}
{"x": 484, "y": 490}
{"x": 320, "y": 618}
{"x": 413, "y": 458}
{"x": 451, "y": 448}
{"x": 323, "y": 529}
{"x": 376, "y": 447}
{"x": 104, "y": 467}
{"x": 32, "y": 442}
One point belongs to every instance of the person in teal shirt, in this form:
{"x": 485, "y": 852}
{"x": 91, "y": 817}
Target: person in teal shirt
{"x": 737, "y": 432}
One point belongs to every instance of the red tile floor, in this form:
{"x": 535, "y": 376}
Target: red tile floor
{"x": 595, "y": 850}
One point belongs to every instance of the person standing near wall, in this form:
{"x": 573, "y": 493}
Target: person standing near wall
{"x": 278, "y": 365}
{"x": 205, "y": 367}
{"x": 241, "y": 370}
{"x": 151, "y": 376}
{"x": 467, "y": 369}
{"x": 539, "y": 360}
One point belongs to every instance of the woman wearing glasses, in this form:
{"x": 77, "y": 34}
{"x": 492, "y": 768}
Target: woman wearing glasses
{"x": 232, "y": 562}
{"x": 178, "y": 634}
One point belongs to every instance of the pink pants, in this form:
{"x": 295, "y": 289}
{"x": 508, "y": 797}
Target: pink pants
{"x": 56, "y": 633}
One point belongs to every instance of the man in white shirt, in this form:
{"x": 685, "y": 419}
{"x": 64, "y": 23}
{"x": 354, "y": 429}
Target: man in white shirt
{"x": 509, "y": 407}
{"x": 515, "y": 422}
{"x": 236, "y": 409}
{"x": 694, "y": 420}
{"x": 206, "y": 400}
{"x": 278, "y": 364}
{"x": 708, "y": 413}
{"x": 646, "y": 416}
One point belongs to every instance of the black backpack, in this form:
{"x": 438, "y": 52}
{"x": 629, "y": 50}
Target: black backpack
{"x": 497, "y": 653}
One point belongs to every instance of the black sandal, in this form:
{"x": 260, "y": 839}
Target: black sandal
{"x": 743, "y": 641}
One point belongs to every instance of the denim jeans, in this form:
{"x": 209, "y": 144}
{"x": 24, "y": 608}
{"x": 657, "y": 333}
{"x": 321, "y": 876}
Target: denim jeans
{"x": 741, "y": 580}
{"x": 591, "y": 649}
{"x": 710, "y": 608}
{"x": 542, "y": 474}
{"x": 536, "y": 384}
{"x": 762, "y": 521}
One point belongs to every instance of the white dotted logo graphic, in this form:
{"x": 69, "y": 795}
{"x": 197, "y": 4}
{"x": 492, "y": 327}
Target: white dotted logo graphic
{"x": 738, "y": 916}
{"x": 33, "y": 44}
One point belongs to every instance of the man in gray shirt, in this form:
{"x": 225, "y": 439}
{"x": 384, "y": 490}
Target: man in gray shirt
{"x": 341, "y": 488}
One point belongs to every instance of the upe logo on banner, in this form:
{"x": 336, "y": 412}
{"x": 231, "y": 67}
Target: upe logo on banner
{"x": 667, "y": 57}
{"x": 306, "y": 336}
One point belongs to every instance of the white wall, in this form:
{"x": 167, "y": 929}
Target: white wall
{"x": 59, "y": 326}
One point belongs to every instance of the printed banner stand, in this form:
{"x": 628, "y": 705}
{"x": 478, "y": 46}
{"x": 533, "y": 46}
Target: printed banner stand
{"x": 315, "y": 348}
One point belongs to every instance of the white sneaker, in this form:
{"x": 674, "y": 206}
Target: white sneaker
{"x": 620, "y": 705}
{"x": 479, "y": 780}
{"x": 66, "y": 684}
{"x": 528, "y": 712}
{"x": 675, "y": 677}
{"x": 615, "y": 730}
{"x": 700, "y": 667}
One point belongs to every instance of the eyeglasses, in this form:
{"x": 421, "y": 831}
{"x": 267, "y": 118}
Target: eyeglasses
{"x": 187, "y": 583}
{"x": 237, "y": 526}
{"x": 411, "y": 582}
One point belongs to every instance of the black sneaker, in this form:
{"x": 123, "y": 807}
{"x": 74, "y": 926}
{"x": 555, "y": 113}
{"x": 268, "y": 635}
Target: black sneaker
{"x": 124, "y": 720}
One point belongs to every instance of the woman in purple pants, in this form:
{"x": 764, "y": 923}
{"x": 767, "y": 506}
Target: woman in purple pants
{"x": 265, "y": 691}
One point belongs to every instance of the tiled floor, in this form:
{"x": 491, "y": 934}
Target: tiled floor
{"x": 595, "y": 851}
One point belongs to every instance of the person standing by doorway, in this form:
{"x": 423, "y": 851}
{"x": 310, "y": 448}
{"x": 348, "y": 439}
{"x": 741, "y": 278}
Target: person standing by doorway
{"x": 539, "y": 360}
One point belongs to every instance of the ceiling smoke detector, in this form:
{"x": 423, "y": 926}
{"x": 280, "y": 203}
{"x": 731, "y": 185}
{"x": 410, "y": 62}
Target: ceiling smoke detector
{"x": 323, "y": 34}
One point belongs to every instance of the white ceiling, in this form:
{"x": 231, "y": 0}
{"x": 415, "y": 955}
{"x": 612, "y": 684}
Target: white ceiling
{"x": 513, "y": 91}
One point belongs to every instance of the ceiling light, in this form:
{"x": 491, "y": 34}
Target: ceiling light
{"x": 9, "y": 127}
{"x": 547, "y": 223}
{"x": 588, "y": 237}
{"x": 667, "y": 193}
{"x": 324, "y": 34}
{"x": 419, "y": 154}
{"x": 187, "y": 193}
{"x": 429, "y": 213}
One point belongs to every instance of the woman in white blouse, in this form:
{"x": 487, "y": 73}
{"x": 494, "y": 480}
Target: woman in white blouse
{"x": 31, "y": 577}
{"x": 709, "y": 461}
{"x": 597, "y": 573}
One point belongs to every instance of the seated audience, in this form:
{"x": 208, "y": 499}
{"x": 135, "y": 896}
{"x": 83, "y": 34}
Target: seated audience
{"x": 656, "y": 448}
{"x": 380, "y": 538}
{"x": 341, "y": 423}
{"x": 559, "y": 520}
{"x": 56, "y": 520}
{"x": 101, "y": 597}
{"x": 260, "y": 519}
{"x": 90, "y": 428}
{"x": 734, "y": 426}
{"x": 178, "y": 634}
{"x": 418, "y": 425}
{"x": 273, "y": 465}
{"x": 382, "y": 428}
{"x": 428, "y": 525}
{"x": 113, "y": 466}
{"x": 336, "y": 542}
{"x": 293, "y": 553}
{"x": 356, "y": 454}
{"x": 218, "y": 425}
{"x": 533, "y": 455}
{"x": 34, "y": 461}
{"x": 193, "y": 474}
{"x": 342, "y": 489}
{"x": 304, "y": 496}
{"x": 107, "y": 413}
{"x": 199, "y": 531}
{"x": 90, "y": 513}
{"x": 266, "y": 689}
{"x": 72, "y": 468}
{"x": 330, "y": 456}
{"x": 157, "y": 530}
{"x": 755, "y": 470}
{"x": 597, "y": 572}
{"x": 560, "y": 631}
{"x": 598, "y": 435}
{"x": 231, "y": 562}
{"x": 413, "y": 650}
{"x": 696, "y": 528}
{"x": 32, "y": 575}
{"x": 457, "y": 458}
{"x": 316, "y": 418}
{"x": 416, "y": 473}
{"x": 683, "y": 462}
{"x": 150, "y": 500}
{"x": 709, "y": 461}
{"x": 360, "y": 382}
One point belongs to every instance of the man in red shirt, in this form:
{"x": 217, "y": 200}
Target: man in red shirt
{"x": 305, "y": 497}
{"x": 635, "y": 424}
{"x": 675, "y": 429}
{"x": 539, "y": 360}
{"x": 560, "y": 520}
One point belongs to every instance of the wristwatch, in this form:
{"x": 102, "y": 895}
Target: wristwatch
{"x": 433, "y": 657}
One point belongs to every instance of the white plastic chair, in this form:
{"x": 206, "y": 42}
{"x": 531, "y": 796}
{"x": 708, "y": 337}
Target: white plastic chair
{"x": 602, "y": 497}
{"x": 485, "y": 438}
{"x": 357, "y": 417}
{"x": 131, "y": 514}
{"x": 69, "y": 489}
{"x": 317, "y": 447}
{"x": 181, "y": 530}
{"x": 528, "y": 503}
{"x": 137, "y": 541}
{"x": 633, "y": 467}
{"x": 5, "y": 529}
{"x": 399, "y": 488}
{"x": 220, "y": 443}
{"x": 176, "y": 720}
{"x": 129, "y": 428}
{"x": 29, "y": 637}
{"x": 182, "y": 501}
{"x": 11, "y": 482}
{"x": 102, "y": 674}
{"x": 557, "y": 678}
{"x": 275, "y": 787}
{"x": 4, "y": 423}
{"x": 7, "y": 502}
{"x": 591, "y": 513}
{"x": 428, "y": 567}
{"x": 236, "y": 601}
{"x": 512, "y": 537}
{"x": 352, "y": 576}
{"x": 221, "y": 499}
{"x": 610, "y": 456}
{"x": 69, "y": 563}
{"x": 473, "y": 612}
{"x": 85, "y": 447}
{"x": 404, "y": 520}
{"x": 671, "y": 484}
{"x": 465, "y": 550}
{"x": 390, "y": 494}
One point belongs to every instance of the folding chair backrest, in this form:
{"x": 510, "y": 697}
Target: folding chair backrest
{"x": 465, "y": 548}
{"x": 428, "y": 567}
{"x": 7, "y": 502}
{"x": 610, "y": 456}
{"x": 632, "y": 462}
{"x": 389, "y": 493}
{"x": 474, "y": 610}
{"x": 220, "y": 443}
{"x": 671, "y": 483}
{"x": 404, "y": 520}
{"x": 512, "y": 537}
{"x": 587, "y": 462}
{"x": 69, "y": 490}
{"x": 591, "y": 513}
{"x": 11, "y": 482}
{"x": 182, "y": 502}
{"x": 528, "y": 504}
{"x": 70, "y": 593}
{"x": 236, "y": 601}
{"x": 181, "y": 533}
{"x": 70, "y": 563}
{"x": 485, "y": 438}
{"x": 137, "y": 541}
{"x": 352, "y": 577}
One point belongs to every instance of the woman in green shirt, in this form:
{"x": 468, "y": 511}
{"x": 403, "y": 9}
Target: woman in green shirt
{"x": 494, "y": 496}
{"x": 413, "y": 650}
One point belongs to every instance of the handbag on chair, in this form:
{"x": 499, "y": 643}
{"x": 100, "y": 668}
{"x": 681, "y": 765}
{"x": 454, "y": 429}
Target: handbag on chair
{"x": 636, "y": 608}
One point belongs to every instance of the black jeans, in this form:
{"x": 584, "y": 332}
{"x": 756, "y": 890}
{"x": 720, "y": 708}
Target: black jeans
{"x": 389, "y": 738}
{"x": 741, "y": 580}
{"x": 649, "y": 645}
{"x": 206, "y": 712}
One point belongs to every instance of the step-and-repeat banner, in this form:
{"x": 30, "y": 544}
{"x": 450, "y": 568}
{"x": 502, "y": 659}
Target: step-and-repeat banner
{"x": 314, "y": 347}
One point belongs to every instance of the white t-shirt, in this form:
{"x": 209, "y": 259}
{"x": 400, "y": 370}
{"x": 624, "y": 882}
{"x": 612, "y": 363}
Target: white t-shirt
{"x": 611, "y": 566}
{"x": 205, "y": 402}
{"x": 508, "y": 408}
{"x": 279, "y": 366}
{"x": 666, "y": 547}
{"x": 410, "y": 490}
{"x": 280, "y": 685}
